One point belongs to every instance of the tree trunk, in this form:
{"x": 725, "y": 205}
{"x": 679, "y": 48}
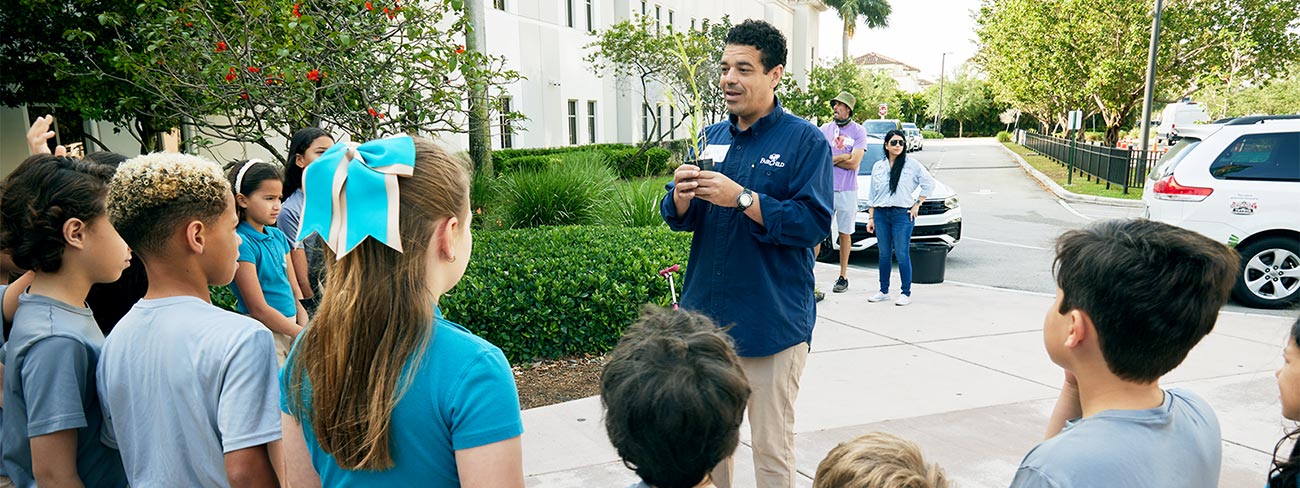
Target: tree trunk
{"x": 480, "y": 134}
{"x": 960, "y": 128}
{"x": 844, "y": 41}
{"x": 1112, "y": 135}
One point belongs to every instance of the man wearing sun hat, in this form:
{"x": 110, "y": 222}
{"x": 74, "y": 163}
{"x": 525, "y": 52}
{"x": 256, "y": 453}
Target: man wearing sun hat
{"x": 848, "y": 141}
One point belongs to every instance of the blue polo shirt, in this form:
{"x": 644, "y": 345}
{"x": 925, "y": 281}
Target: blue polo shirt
{"x": 267, "y": 251}
{"x": 758, "y": 279}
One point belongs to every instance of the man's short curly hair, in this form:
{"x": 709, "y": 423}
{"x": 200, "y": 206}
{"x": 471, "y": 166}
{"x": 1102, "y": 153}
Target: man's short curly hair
{"x": 764, "y": 37}
{"x": 878, "y": 460}
{"x": 42, "y": 194}
{"x": 154, "y": 194}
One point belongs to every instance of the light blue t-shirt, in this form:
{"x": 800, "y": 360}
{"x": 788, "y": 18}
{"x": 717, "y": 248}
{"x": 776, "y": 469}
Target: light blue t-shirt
{"x": 1175, "y": 445}
{"x": 267, "y": 251}
{"x": 462, "y": 396}
{"x": 913, "y": 182}
{"x": 50, "y": 387}
{"x": 182, "y": 384}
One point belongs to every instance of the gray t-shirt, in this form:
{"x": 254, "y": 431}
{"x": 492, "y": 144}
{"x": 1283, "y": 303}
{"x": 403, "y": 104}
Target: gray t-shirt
{"x": 1174, "y": 445}
{"x": 50, "y": 387}
{"x": 183, "y": 383}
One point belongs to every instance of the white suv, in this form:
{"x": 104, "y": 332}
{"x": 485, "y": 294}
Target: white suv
{"x": 1238, "y": 183}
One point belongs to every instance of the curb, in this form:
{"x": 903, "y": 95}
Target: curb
{"x": 1068, "y": 195}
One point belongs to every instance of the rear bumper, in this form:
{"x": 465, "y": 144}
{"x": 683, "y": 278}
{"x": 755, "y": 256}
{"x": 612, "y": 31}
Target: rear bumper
{"x": 948, "y": 233}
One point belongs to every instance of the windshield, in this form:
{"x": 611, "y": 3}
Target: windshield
{"x": 879, "y": 126}
{"x": 1166, "y": 164}
{"x": 875, "y": 151}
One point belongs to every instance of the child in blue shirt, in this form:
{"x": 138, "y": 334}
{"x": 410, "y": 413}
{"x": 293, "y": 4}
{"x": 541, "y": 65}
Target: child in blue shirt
{"x": 264, "y": 285}
{"x": 382, "y": 390}
{"x": 53, "y": 221}
{"x": 1286, "y": 471}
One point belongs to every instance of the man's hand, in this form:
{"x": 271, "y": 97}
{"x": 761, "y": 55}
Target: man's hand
{"x": 685, "y": 182}
{"x": 38, "y": 137}
{"x": 717, "y": 188}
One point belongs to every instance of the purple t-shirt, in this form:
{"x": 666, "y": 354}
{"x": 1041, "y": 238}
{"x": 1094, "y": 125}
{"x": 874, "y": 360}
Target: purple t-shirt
{"x": 844, "y": 140}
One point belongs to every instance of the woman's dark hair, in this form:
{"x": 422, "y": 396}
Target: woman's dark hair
{"x": 762, "y": 36}
{"x": 111, "y": 301}
{"x": 674, "y": 395}
{"x": 896, "y": 164}
{"x": 1285, "y": 472}
{"x": 297, "y": 147}
{"x": 105, "y": 157}
{"x": 42, "y": 194}
{"x": 257, "y": 172}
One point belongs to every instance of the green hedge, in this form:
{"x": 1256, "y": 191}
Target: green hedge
{"x": 1004, "y": 136}
{"x": 652, "y": 162}
{"x": 558, "y": 291}
{"x": 528, "y": 163}
{"x": 929, "y": 134}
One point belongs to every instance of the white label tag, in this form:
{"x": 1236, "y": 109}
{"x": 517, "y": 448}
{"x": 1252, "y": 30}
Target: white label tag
{"x": 716, "y": 152}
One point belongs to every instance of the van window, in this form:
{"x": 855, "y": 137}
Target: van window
{"x": 1268, "y": 157}
{"x": 875, "y": 151}
{"x": 1173, "y": 156}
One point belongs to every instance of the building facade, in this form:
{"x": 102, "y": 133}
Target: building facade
{"x": 908, "y": 77}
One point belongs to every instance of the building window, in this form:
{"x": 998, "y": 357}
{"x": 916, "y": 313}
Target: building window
{"x": 573, "y": 122}
{"x": 568, "y": 10}
{"x": 672, "y": 122}
{"x": 658, "y": 16}
{"x": 692, "y": 23}
{"x": 507, "y": 133}
{"x": 591, "y": 121}
{"x": 643, "y": 8}
{"x": 670, "y": 19}
{"x": 645, "y": 121}
{"x": 591, "y": 19}
{"x": 499, "y": 4}
{"x": 659, "y": 117}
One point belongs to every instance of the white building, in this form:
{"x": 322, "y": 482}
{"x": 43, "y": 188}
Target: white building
{"x": 908, "y": 76}
{"x": 544, "y": 40}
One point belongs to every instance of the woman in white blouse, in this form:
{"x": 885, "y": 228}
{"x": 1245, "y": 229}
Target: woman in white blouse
{"x": 898, "y": 187}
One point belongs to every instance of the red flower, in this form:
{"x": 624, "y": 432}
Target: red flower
{"x": 369, "y": 6}
{"x": 253, "y": 69}
{"x": 243, "y": 96}
{"x": 373, "y": 112}
{"x": 230, "y": 75}
{"x": 389, "y": 13}
{"x": 297, "y": 14}
{"x": 270, "y": 81}
{"x": 381, "y": 116}
{"x": 221, "y": 46}
{"x": 460, "y": 49}
{"x": 189, "y": 24}
{"x": 313, "y": 75}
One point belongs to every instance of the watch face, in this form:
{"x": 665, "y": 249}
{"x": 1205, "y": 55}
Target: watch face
{"x": 746, "y": 199}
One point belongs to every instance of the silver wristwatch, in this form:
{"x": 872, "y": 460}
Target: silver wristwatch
{"x": 745, "y": 199}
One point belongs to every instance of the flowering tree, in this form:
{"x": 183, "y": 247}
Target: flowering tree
{"x": 246, "y": 71}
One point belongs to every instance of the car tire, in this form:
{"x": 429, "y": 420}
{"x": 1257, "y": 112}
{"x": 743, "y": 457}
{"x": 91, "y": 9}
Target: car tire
{"x": 828, "y": 254}
{"x": 1270, "y": 273}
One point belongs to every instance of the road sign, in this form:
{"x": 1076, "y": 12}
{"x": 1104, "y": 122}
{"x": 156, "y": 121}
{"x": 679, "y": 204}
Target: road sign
{"x": 1076, "y": 120}
{"x": 884, "y": 108}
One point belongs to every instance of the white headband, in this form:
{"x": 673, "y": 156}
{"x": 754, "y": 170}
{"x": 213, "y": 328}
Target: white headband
{"x": 239, "y": 179}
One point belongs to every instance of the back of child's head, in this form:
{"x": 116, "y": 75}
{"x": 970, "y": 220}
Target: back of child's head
{"x": 1286, "y": 471}
{"x": 246, "y": 176}
{"x": 878, "y": 460}
{"x": 376, "y": 314}
{"x": 1152, "y": 290}
{"x": 39, "y": 197}
{"x": 155, "y": 194}
{"x": 105, "y": 157}
{"x": 298, "y": 146}
{"x": 674, "y": 396}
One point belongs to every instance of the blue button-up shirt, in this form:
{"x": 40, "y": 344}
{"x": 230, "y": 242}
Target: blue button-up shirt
{"x": 914, "y": 182}
{"x": 757, "y": 279}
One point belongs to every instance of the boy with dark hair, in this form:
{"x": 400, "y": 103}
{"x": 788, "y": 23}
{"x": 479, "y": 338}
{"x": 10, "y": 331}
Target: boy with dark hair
{"x": 1134, "y": 297}
{"x": 674, "y": 396}
{"x": 189, "y": 390}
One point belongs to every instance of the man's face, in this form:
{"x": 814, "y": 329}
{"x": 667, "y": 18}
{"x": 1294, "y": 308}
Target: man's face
{"x": 841, "y": 110}
{"x": 746, "y": 89}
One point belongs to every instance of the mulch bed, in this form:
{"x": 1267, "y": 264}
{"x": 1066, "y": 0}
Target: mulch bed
{"x": 547, "y": 382}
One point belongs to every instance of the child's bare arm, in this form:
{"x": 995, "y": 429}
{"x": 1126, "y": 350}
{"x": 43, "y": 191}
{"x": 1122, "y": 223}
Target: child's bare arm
{"x": 297, "y": 468}
{"x": 250, "y": 467}
{"x": 251, "y": 291}
{"x": 301, "y": 317}
{"x": 1067, "y": 406}
{"x": 299, "y": 259}
{"x": 54, "y": 460}
{"x": 499, "y": 464}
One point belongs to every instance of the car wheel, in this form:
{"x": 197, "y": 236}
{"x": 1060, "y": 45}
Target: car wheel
{"x": 1270, "y": 273}
{"x": 828, "y": 254}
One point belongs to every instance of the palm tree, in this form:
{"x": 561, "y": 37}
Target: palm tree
{"x": 874, "y": 12}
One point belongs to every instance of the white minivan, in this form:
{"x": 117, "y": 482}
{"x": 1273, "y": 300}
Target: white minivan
{"x": 1179, "y": 115}
{"x": 1238, "y": 183}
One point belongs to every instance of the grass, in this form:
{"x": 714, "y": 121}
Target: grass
{"x": 1057, "y": 172}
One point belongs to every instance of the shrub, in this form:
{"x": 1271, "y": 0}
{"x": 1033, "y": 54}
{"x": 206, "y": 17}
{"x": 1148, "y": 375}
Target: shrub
{"x": 1004, "y": 136}
{"x": 528, "y": 163}
{"x": 652, "y": 162}
{"x": 1094, "y": 136}
{"x": 223, "y": 297}
{"x": 635, "y": 204}
{"x": 929, "y": 134}
{"x": 559, "y": 291}
{"x": 568, "y": 193}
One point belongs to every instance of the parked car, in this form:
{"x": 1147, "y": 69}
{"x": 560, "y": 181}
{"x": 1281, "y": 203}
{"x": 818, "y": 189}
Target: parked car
{"x": 879, "y": 127}
{"x": 1238, "y": 183}
{"x": 909, "y": 125}
{"x": 1181, "y": 114}
{"x": 915, "y": 141}
{"x": 939, "y": 220}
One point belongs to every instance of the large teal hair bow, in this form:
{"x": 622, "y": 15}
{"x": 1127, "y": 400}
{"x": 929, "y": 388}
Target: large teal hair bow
{"x": 351, "y": 193}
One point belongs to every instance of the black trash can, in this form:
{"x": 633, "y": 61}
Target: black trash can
{"x": 928, "y": 262}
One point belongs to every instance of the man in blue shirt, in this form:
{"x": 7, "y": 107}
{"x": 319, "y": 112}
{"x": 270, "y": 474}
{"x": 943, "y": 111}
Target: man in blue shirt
{"x": 756, "y": 217}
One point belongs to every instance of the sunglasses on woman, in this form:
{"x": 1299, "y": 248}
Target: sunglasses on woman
{"x": 897, "y": 142}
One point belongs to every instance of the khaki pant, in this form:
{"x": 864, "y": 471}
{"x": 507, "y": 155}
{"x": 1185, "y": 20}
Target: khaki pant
{"x": 774, "y": 385}
{"x": 283, "y": 344}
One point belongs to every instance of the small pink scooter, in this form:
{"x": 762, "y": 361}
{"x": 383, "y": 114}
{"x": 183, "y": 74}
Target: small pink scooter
{"x": 668, "y": 273}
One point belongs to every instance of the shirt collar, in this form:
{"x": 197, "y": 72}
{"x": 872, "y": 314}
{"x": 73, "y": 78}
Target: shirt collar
{"x": 249, "y": 230}
{"x": 762, "y": 124}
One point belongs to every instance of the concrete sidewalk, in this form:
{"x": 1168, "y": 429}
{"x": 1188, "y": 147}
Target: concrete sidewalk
{"x": 962, "y": 372}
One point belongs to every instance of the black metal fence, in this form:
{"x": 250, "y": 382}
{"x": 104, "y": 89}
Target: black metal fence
{"x": 1125, "y": 167}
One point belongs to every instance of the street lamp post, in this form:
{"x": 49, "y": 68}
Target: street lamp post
{"x": 938, "y": 117}
{"x": 1151, "y": 81}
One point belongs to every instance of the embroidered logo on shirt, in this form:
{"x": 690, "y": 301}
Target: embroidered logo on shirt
{"x": 771, "y": 160}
